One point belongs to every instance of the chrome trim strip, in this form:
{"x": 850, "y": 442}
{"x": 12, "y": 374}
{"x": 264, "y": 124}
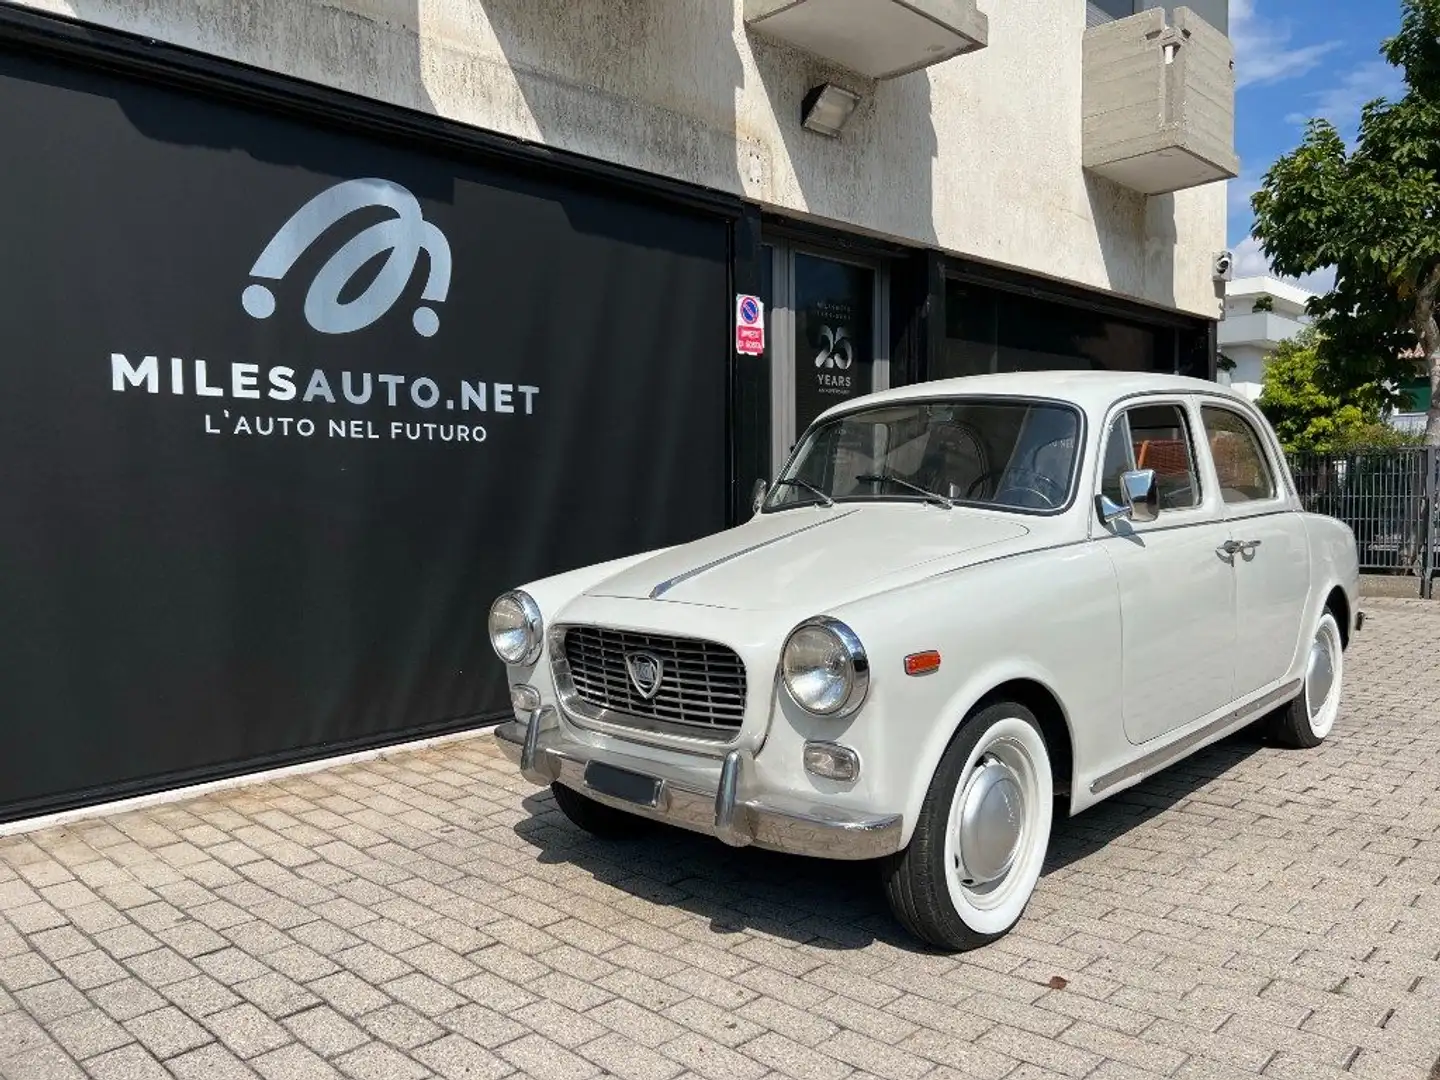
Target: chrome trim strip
{"x": 665, "y": 586}
{"x": 1166, "y": 755}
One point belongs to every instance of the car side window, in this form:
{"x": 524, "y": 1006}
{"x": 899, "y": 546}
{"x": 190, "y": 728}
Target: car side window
{"x": 1153, "y": 437}
{"x": 1240, "y": 463}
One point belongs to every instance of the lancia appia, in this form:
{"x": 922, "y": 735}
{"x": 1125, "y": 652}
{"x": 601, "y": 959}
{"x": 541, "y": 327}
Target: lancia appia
{"x": 962, "y": 607}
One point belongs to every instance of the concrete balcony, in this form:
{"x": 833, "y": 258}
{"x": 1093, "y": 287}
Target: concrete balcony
{"x": 1159, "y": 102}
{"x": 1262, "y": 329}
{"x": 879, "y": 39}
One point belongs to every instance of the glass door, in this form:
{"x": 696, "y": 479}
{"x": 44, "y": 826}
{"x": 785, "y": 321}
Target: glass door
{"x": 829, "y": 331}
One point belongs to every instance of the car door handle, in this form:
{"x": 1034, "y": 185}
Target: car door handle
{"x": 1234, "y": 547}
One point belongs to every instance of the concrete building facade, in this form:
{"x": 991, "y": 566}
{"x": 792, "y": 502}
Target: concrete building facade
{"x": 982, "y": 155}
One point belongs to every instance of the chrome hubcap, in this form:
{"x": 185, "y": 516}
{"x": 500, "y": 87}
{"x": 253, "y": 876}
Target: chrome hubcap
{"x": 1320, "y": 675}
{"x": 992, "y": 817}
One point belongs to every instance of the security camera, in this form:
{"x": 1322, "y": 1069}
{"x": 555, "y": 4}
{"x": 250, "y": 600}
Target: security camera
{"x": 1223, "y": 264}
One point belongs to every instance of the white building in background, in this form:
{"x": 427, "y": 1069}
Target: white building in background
{"x": 1248, "y": 336}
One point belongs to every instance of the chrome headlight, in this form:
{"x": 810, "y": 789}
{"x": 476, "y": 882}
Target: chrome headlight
{"x": 516, "y": 628}
{"x": 825, "y": 668}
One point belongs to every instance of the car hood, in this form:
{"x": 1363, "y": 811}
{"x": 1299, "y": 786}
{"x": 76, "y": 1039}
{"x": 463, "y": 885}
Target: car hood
{"x": 811, "y": 557}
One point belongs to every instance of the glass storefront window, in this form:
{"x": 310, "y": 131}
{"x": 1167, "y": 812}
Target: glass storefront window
{"x": 834, "y": 307}
{"x": 993, "y": 330}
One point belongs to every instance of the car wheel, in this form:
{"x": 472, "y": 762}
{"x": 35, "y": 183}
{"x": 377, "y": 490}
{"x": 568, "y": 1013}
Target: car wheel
{"x": 595, "y": 817}
{"x": 1307, "y": 720}
{"x": 980, "y": 841}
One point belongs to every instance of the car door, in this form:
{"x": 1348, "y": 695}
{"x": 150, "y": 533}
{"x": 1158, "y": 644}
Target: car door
{"x": 1271, "y": 561}
{"x": 1177, "y": 590}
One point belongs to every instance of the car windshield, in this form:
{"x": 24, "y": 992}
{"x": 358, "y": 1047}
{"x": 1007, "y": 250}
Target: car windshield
{"x": 1015, "y": 454}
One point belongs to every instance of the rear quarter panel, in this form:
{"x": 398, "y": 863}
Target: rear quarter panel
{"x": 1334, "y": 562}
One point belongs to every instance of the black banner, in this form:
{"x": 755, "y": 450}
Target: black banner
{"x": 283, "y": 408}
{"x": 834, "y": 335}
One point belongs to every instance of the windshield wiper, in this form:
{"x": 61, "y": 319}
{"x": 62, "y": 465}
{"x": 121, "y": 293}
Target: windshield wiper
{"x": 930, "y": 496}
{"x": 791, "y": 481}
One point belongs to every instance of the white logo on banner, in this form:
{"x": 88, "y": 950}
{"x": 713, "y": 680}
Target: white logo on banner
{"x": 403, "y": 236}
{"x": 838, "y": 352}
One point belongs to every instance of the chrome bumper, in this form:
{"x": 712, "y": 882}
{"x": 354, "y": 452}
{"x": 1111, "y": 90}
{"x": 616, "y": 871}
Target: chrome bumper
{"x": 699, "y": 800}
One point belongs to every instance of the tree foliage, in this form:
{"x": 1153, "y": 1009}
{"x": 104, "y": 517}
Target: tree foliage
{"x": 1311, "y": 416}
{"x": 1372, "y": 213}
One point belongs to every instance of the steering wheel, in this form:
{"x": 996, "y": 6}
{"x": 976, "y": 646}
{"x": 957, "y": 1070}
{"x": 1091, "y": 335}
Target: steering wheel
{"x": 1049, "y": 501}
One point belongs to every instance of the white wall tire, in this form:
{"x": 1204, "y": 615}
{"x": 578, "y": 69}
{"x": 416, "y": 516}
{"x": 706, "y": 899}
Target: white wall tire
{"x": 1307, "y": 720}
{"x": 980, "y": 841}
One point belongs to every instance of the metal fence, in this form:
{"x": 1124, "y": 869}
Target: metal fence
{"x": 1387, "y": 497}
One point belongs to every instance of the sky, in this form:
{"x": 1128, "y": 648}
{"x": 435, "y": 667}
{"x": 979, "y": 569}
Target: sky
{"x": 1297, "y": 59}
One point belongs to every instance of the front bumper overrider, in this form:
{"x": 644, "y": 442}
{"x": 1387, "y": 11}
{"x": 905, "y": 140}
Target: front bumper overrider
{"x": 712, "y": 797}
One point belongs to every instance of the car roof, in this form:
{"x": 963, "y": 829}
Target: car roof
{"x": 1093, "y": 391}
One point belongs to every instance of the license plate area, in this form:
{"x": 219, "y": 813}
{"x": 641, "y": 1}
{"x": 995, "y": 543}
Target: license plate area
{"x": 632, "y": 787}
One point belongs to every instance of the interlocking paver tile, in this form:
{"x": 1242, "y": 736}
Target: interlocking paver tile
{"x": 636, "y": 1023}
{"x": 167, "y": 1032}
{"x": 794, "y": 1059}
{"x": 52, "y": 1001}
{"x": 401, "y": 1026}
{"x": 247, "y": 1031}
{"x": 19, "y": 1033}
{"x": 376, "y": 1061}
{"x": 628, "y": 1060}
{"x": 276, "y": 995}
{"x": 131, "y": 1062}
{"x": 200, "y": 996}
{"x": 710, "y": 1059}
{"x": 455, "y": 1056}
{"x": 24, "y": 970}
{"x": 209, "y": 1063}
{"x": 325, "y": 1031}
{"x": 294, "y": 1062}
{"x": 485, "y": 1026}
{"x": 47, "y": 1062}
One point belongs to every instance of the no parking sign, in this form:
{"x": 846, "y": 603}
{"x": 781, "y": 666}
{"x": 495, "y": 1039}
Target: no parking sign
{"x": 749, "y": 325}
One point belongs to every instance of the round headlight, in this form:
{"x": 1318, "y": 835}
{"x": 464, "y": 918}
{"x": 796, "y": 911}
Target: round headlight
{"x": 825, "y": 668}
{"x": 515, "y": 628}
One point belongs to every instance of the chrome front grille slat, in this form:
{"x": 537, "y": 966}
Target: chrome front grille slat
{"x": 702, "y": 687}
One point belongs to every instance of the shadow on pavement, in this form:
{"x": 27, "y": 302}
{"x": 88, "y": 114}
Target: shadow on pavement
{"x": 824, "y": 904}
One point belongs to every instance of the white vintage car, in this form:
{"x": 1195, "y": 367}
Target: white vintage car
{"x": 959, "y": 601}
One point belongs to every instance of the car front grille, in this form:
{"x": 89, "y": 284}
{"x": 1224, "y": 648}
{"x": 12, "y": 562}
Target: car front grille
{"x": 701, "y": 689}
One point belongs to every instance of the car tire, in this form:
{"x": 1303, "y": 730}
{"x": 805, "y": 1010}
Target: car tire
{"x": 1306, "y": 721}
{"x": 596, "y": 818}
{"x": 968, "y": 873}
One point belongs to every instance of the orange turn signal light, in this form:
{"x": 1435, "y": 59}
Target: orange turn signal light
{"x": 922, "y": 663}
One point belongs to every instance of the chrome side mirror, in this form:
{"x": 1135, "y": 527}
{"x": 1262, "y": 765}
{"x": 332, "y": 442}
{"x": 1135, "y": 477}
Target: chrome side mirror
{"x": 1142, "y": 493}
{"x": 757, "y": 496}
{"x": 1142, "y": 499}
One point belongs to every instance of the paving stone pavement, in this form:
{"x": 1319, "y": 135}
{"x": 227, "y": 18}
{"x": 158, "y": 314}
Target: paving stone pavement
{"x": 1252, "y": 911}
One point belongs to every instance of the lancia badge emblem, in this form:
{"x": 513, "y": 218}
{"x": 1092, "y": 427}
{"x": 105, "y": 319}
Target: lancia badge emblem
{"x": 645, "y": 673}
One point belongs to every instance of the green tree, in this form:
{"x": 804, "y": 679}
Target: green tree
{"x": 1310, "y": 416}
{"x": 1372, "y": 213}
{"x": 1263, "y": 303}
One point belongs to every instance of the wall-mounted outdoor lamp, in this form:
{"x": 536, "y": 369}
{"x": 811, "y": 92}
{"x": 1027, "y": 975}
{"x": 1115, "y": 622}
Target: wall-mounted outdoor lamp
{"x": 827, "y": 108}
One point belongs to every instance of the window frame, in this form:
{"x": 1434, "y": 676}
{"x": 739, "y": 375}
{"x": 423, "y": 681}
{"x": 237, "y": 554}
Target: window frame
{"x": 1207, "y": 509}
{"x": 1280, "y": 480}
